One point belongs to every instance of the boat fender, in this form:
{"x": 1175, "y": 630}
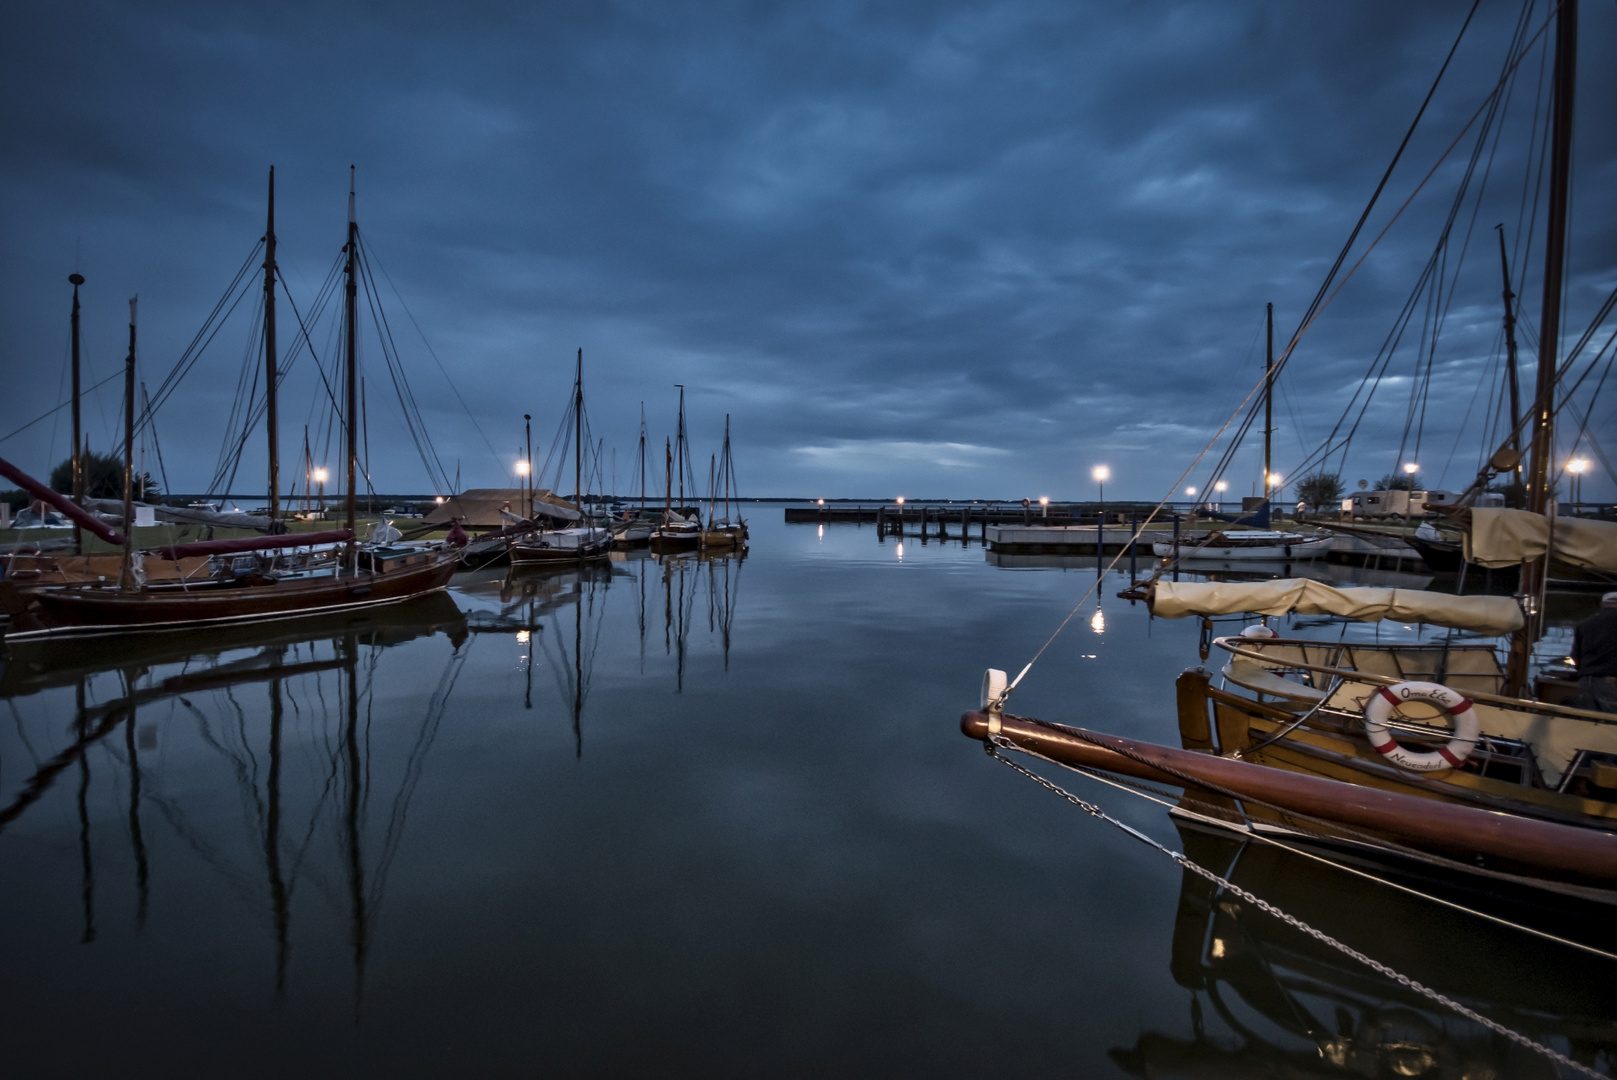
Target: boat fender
{"x": 1257, "y": 630}
{"x": 1384, "y": 701}
{"x": 994, "y": 682}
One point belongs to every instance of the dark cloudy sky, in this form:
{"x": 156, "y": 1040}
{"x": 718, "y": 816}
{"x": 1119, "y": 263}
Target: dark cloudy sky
{"x": 948, "y": 250}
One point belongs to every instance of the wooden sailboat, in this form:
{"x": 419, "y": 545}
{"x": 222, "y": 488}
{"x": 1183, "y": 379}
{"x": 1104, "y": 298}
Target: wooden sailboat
{"x": 722, "y": 534}
{"x": 247, "y": 580}
{"x": 578, "y": 543}
{"x": 681, "y": 530}
{"x": 1434, "y": 759}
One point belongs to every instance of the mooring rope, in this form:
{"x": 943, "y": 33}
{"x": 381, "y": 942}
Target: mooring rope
{"x": 1168, "y": 800}
{"x": 994, "y": 743}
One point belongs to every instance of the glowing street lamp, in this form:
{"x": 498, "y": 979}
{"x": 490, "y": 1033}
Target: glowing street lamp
{"x": 822, "y": 502}
{"x": 1411, "y": 468}
{"x": 1044, "y": 506}
{"x": 522, "y": 468}
{"x": 1191, "y": 491}
{"x": 320, "y": 478}
{"x": 1274, "y": 481}
{"x": 1101, "y": 474}
{"x": 900, "y": 500}
{"x": 1577, "y": 467}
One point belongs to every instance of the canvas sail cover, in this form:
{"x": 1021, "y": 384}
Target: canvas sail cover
{"x": 1500, "y": 537}
{"x": 1482, "y": 614}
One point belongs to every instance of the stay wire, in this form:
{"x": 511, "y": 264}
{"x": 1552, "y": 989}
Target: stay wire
{"x": 1299, "y": 925}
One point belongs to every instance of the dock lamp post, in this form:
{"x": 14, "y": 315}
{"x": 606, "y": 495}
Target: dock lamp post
{"x": 1102, "y": 474}
{"x": 1221, "y": 487}
{"x": 320, "y": 478}
{"x": 1044, "y": 506}
{"x": 527, "y": 502}
{"x": 1577, "y": 467}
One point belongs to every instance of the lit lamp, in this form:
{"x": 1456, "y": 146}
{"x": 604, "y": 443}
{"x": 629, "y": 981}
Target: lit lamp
{"x": 1190, "y": 491}
{"x": 822, "y": 502}
{"x": 900, "y": 500}
{"x": 1101, "y": 474}
{"x": 320, "y": 478}
{"x": 1577, "y": 467}
{"x": 1044, "y": 506}
{"x": 1221, "y": 487}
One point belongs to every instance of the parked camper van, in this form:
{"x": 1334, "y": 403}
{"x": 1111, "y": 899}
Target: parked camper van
{"x": 1400, "y": 504}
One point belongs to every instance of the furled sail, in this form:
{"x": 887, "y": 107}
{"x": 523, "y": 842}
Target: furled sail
{"x": 1482, "y": 614}
{"x": 1506, "y": 537}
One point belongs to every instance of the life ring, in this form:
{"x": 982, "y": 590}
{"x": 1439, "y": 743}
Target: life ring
{"x": 1466, "y": 725}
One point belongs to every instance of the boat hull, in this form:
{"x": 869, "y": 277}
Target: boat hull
{"x": 1576, "y": 858}
{"x": 92, "y": 611}
{"x": 1316, "y": 548}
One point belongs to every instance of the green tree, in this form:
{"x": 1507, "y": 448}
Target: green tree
{"x": 1320, "y": 490}
{"x": 103, "y": 478}
{"x": 1400, "y": 482}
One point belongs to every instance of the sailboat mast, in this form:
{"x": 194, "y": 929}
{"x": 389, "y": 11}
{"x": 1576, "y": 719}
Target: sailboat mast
{"x": 352, "y": 296}
{"x": 680, "y": 464}
{"x": 272, "y": 430}
{"x": 642, "y": 459}
{"x": 578, "y": 434}
{"x": 727, "y": 468}
{"x": 1510, "y": 357}
{"x": 1268, "y": 398}
{"x": 668, "y": 480}
{"x": 126, "y": 577}
{"x": 1549, "y": 334}
{"x": 78, "y": 445}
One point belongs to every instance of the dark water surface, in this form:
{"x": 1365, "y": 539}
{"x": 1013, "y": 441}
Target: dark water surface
{"x": 683, "y": 817}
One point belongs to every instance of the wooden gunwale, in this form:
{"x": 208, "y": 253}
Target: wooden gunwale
{"x": 1576, "y": 852}
{"x": 67, "y": 612}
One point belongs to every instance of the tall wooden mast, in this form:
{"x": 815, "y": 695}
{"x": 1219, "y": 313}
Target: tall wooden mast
{"x": 578, "y": 435}
{"x": 1549, "y": 333}
{"x": 642, "y": 459}
{"x": 270, "y": 423}
{"x": 1513, "y": 381}
{"x": 1268, "y": 398}
{"x": 679, "y": 445}
{"x": 126, "y": 577}
{"x": 77, "y": 457}
{"x": 352, "y": 415}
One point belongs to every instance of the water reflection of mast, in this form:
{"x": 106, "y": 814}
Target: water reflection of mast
{"x": 351, "y": 818}
{"x": 279, "y": 899}
{"x": 137, "y": 840}
{"x": 87, "y": 874}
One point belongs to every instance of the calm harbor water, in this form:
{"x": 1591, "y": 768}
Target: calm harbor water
{"x": 681, "y": 816}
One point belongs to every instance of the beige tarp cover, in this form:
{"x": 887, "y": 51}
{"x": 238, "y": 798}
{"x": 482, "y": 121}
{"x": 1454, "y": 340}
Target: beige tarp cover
{"x": 1506, "y": 537}
{"x": 1483, "y": 614}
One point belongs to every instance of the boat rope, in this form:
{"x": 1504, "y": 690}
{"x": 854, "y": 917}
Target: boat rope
{"x": 1315, "y": 311}
{"x": 119, "y": 374}
{"x": 1295, "y": 923}
{"x": 1170, "y": 801}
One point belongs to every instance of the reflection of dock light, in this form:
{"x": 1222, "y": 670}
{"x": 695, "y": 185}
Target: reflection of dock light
{"x": 901, "y": 551}
{"x": 522, "y": 637}
{"x": 1097, "y": 622}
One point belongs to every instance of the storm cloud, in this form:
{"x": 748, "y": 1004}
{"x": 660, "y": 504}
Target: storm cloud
{"x": 949, "y": 250}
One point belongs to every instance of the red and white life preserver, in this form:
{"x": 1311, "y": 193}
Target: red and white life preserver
{"x": 1466, "y": 725}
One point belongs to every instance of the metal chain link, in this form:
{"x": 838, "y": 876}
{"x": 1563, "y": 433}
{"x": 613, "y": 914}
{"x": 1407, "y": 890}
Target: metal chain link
{"x": 994, "y": 743}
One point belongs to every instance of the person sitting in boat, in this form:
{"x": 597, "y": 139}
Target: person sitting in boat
{"x": 1594, "y": 651}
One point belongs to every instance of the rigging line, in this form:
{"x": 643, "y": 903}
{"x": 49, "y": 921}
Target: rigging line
{"x": 1101, "y": 530}
{"x": 1319, "y": 306}
{"x": 52, "y": 412}
{"x": 1299, "y": 925}
{"x": 432, "y": 353}
{"x": 1171, "y": 802}
{"x": 322, "y": 298}
{"x": 198, "y": 345}
{"x": 157, "y": 447}
{"x": 423, "y": 440}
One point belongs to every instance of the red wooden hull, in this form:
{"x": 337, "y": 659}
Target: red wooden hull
{"x": 61, "y": 612}
{"x": 1529, "y": 846}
